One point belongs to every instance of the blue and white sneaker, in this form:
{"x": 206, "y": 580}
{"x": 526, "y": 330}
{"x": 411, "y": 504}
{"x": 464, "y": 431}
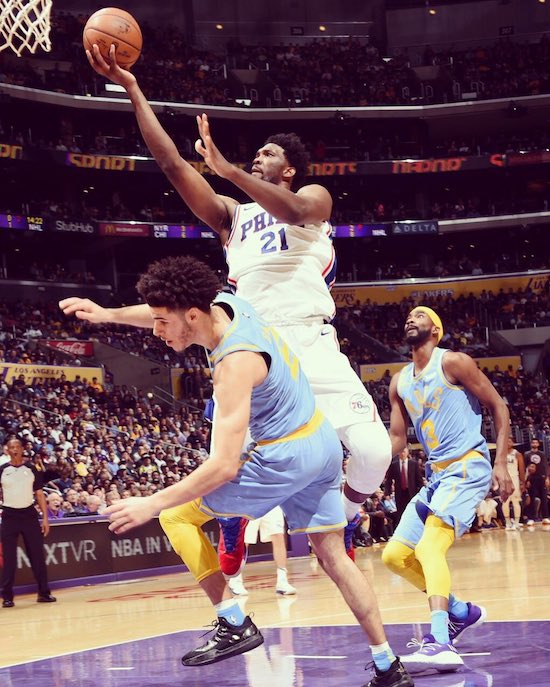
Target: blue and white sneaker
{"x": 476, "y": 617}
{"x": 431, "y": 655}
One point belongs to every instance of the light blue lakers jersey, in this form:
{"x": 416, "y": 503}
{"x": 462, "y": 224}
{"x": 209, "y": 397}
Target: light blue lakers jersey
{"x": 446, "y": 417}
{"x": 284, "y": 401}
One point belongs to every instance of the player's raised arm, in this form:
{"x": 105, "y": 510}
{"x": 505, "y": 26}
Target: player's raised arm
{"x": 459, "y": 368}
{"x": 270, "y": 182}
{"x": 398, "y": 418}
{"x": 86, "y": 309}
{"x": 216, "y": 211}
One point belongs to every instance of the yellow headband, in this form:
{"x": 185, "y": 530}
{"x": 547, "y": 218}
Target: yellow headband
{"x": 434, "y": 317}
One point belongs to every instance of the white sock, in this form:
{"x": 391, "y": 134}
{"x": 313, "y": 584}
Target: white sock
{"x": 350, "y": 507}
{"x": 281, "y": 575}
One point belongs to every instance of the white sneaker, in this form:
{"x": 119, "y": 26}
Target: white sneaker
{"x": 510, "y": 526}
{"x": 285, "y": 588}
{"x": 236, "y": 586}
{"x": 530, "y": 523}
{"x": 546, "y": 521}
{"x": 431, "y": 655}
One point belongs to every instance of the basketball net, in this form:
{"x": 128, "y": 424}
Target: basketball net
{"x": 25, "y": 24}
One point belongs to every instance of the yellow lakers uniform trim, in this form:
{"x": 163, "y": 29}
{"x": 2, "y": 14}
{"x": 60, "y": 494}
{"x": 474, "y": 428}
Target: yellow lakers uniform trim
{"x": 304, "y": 431}
{"x": 444, "y": 464}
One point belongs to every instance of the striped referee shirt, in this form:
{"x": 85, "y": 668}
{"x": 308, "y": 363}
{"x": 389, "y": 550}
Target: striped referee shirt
{"x": 18, "y": 484}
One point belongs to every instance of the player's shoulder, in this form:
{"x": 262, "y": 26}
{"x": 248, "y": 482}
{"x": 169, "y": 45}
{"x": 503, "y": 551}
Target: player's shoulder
{"x": 316, "y": 190}
{"x": 394, "y": 381}
{"x": 402, "y": 372}
{"x": 456, "y": 359}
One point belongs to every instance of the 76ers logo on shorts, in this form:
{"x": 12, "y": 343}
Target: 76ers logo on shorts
{"x": 360, "y": 403}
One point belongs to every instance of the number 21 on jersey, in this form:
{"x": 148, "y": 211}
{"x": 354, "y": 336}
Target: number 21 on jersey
{"x": 273, "y": 242}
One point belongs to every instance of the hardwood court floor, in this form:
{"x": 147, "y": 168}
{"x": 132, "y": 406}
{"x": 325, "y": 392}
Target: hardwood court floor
{"x": 508, "y": 572}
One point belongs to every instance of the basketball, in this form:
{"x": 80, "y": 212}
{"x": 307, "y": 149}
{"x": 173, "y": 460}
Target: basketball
{"x": 112, "y": 25}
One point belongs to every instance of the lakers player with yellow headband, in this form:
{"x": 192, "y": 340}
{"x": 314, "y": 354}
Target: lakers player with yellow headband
{"x": 441, "y": 391}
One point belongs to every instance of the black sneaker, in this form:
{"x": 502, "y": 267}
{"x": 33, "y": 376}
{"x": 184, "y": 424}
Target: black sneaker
{"x": 228, "y": 640}
{"x": 46, "y": 599}
{"x": 396, "y": 676}
{"x": 8, "y": 603}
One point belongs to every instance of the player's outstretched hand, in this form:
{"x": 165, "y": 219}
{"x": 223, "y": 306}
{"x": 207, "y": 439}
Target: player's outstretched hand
{"x": 111, "y": 70}
{"x": 129, "y": 513}
{"x": 504, "y": 481}
{"x": 84, "y": 309}
{"x": 205, "y": 147}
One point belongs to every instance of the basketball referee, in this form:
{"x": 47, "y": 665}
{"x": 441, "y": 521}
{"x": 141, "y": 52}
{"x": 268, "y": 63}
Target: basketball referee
{"x": 21, "y": 483}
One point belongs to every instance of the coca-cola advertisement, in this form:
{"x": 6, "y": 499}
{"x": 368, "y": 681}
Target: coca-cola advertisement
{"x": 77, "y": 348}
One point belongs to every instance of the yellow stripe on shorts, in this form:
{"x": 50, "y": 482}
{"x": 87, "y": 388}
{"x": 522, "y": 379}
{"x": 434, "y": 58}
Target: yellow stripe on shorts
{"x": 305, "y": 430}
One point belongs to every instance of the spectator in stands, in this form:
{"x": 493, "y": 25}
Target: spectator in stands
{"x": 55, "y": 502}
{"x": 93, "y": 505}
{"x": 537, "y": 480}
{"x": 380, "y": 524}
{"x": 405, "y": 479}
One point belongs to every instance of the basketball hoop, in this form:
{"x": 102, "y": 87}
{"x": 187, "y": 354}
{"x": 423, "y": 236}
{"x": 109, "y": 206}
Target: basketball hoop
{"x": 25, "y": 24}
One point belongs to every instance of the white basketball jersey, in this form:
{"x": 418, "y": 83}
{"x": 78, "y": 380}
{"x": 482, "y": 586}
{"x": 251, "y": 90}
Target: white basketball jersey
{"x": 513, "y": 467}
{"x": 283, "y": 270}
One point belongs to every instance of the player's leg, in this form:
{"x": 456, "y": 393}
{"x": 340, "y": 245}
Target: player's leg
{"x": 453, "y": 494}
{"x": 369, "y": 446}
{"x": 272, "y": 529}
{"x": 399, "y": 553}
{"x": 229, "y": 562}
{"x": 232, "y": 548}
{"x": 506, "y": 512}
{"x": 359, "y": 596}
{"x": 345, "y": 402}
{"x": 370, "y": 455}
{"x": 269, "y": 474}
{"x": 399, "y": 556}
{"x": 235, "y": 632}
{"x": 516, "y": 502}
{"x": 317, "y": 510}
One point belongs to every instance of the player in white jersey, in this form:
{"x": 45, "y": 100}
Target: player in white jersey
{"x": 516, "y": 469}
{"x": 262, "y": 254}
{"x": 281, "y": 260}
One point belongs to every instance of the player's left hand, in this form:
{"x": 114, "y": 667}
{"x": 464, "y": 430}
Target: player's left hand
{"x": 129, "y": 513}
{"x": 110, "y": 69}
{"x": 502, "y": 477}
{"x": 205, "y": 147}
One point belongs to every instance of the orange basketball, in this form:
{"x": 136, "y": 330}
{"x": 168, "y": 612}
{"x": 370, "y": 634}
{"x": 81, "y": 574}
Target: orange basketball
{"x": 112, "y": 25}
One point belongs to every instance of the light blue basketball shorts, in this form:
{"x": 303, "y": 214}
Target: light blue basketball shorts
{"x": 301, "y": 473}
{"x": 453, "y": 493}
